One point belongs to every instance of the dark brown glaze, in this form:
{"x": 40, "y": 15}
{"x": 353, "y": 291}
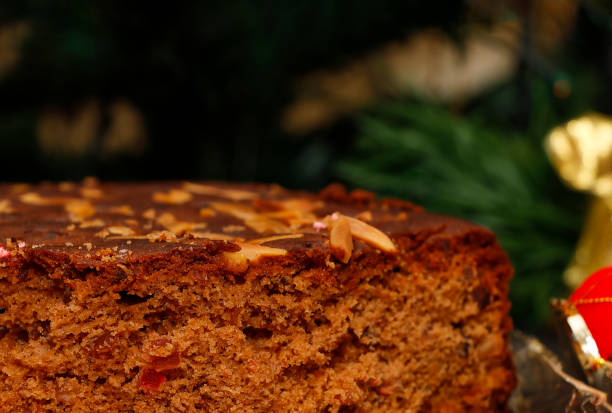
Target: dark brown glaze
{"x": 40, "y": 216}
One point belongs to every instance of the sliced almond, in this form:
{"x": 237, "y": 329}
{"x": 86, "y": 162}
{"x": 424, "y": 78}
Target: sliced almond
{"x": 173, "y": 197}
{"x": 169, "y": 221}
{"x": 79, "y": 209}
{"x": 207, "y": 212}
{"x": 212, "y": 235}
{"x": 252, "y": 252}
{"x": 233, "y": 228}
{"x": 92, "y": 223}
{"x": 240, "y": 211}
{"x": 91, "y": 193}
{"x": 341, "y": 240}
{"x": 5, "y": 207}
{"x": 370, "y": 235}
{"x": 33, "y": 198}
{"x": 102, "y": 233}
{"x": 120, "y": 230}
{"x": 364, "y": 216}
{"x": 233, "y": 194}
{"x": 149, "y": 214}
{"x": 263, "y": 225}
{"x": 274, "y": 238}
{"x": 122, "y": 210}
{"x": 301, "y": 204}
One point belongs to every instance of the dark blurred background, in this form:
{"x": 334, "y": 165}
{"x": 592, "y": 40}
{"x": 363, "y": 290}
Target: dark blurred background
{"x": 443, "y": 103}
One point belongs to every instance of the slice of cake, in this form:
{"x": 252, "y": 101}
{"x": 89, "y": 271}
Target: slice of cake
{"x": 186, "y": 297}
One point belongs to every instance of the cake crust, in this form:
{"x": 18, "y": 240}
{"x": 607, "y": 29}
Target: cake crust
{"x": 190, "y": 296}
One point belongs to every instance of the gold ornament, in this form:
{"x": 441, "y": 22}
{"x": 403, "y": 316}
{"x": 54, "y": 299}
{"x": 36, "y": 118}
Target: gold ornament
{"x": 581, "y": 152}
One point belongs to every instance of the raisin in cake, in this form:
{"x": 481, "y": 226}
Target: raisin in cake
{"x": 185, "y": 297}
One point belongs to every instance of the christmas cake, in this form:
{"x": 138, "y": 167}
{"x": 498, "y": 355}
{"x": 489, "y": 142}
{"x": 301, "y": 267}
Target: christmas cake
{"x": 185, "y": 297}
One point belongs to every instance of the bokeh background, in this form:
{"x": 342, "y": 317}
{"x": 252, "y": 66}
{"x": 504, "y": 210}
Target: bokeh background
{"x": 443, "y": 103}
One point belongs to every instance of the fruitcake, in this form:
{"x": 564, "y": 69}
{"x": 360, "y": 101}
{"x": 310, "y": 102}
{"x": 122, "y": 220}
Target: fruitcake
{"x": 219, "y": 297}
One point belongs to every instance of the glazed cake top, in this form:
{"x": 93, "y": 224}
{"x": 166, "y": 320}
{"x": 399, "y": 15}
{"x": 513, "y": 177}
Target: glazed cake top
{"x": 93, "y": 222}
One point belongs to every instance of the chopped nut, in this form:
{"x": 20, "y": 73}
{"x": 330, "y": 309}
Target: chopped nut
{"x": 88, "y": 246}
{"x": 69, "y": 244}
{"x": 235, "y": 262}
{"x": 173, "y": 197}
{"x": 5, "y": 207}
{"x": 370, "y": 235}
{"x": 161, "y": 236}
{"x": 341, "y": 240}
{"x": 91, "y": 193}
{"x": 119, "y": 230}
{"x": 71, "y": 227}
{"x": 92, "y": 224}
{"x": 122, "y": 209}
{"x": 233, "y": 194}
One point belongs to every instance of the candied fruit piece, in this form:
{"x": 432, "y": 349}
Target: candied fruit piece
{"x": 161, "y": 354}
{"x": 165, "y": 363}
{"x": 151, "y": 380}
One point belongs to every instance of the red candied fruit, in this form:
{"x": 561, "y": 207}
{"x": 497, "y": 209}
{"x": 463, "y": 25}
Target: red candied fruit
{"x": 166, "y": 362}
{"x": 151, "y": 380}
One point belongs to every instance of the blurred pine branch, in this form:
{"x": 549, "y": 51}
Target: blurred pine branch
{"x": 498, "y": 179}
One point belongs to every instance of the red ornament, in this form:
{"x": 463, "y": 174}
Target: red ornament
{"x": 593, "y": 300}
